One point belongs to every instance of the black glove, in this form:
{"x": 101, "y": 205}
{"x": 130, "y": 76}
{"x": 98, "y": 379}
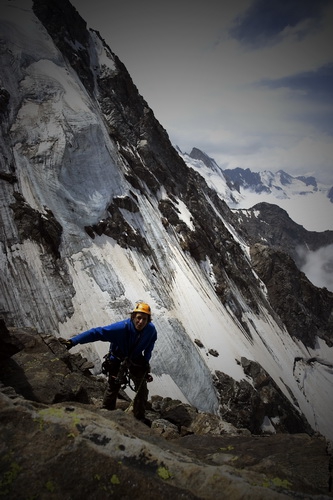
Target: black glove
{"x": 106, "y": 365}
{"x": 66, "y": 342}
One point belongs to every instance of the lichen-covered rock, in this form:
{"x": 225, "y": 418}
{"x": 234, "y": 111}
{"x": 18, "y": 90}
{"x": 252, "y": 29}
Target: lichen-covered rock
{"x": 57, "y": 441}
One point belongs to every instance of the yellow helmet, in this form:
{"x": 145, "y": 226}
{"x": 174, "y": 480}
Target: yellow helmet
{"x": 142, "y": 307}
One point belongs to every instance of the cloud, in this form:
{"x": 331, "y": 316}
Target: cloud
{"x": 310, "y": 94}
{"x": 265, "y": 22}
{"x": 316, "y": 85}
{"x": 318, "y": 266}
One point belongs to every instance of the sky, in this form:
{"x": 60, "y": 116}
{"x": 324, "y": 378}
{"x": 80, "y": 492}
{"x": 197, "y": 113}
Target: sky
{"x": 249, "y": 82}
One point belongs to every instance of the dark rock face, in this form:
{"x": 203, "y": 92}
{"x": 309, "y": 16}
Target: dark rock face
{"x": 4, "y": 100}
{"x": 274, "y": 227}
{"x": 65, "y": 26}
{"x": 116, "y": 227}
{"x": 248, "y": 405}
{"x": 9, "y": 177}
{"x": 244, "y": 177}
{"x": 306, "y": 311}
{"x": 31, "y": 224}
{"x": 8, "y": 345}
{"x": 170, "y": 212}
{"x": 54, "y": 431}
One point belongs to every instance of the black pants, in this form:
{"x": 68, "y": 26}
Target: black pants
{"x": 138, "y": 373}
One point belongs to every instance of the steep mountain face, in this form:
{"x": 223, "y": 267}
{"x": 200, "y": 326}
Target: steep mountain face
{"x": 282, "y": 213}
{"x": 304, "y": 309}
{"x": 270, "y": 225}
{"x": 99, "y": 210}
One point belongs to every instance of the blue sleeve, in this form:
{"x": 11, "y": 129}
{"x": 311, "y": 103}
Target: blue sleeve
{"x": 104, "y": 333}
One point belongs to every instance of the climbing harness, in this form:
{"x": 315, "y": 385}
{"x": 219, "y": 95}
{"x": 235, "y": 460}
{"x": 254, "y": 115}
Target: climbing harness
{"x": 123, "y": 378}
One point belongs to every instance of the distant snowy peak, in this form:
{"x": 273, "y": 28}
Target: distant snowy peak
{"x": 197, "y": 154}
{"x": 280, "y": 183}
{"x": 213, "y": 175}
{"x": 307, "y": 202}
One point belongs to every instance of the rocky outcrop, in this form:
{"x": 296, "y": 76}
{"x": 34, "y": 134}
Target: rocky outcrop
{"x": 307, "y": 311}
{"x": 9, "y": 177}
{"x": 257, "y": 404}
{"x": 271, "y": 225}
{"x": 57, "y": 441}
{"x": 115, "y": 226}
{"x": 42, "y": 228}
{"x": 41, "y": 369}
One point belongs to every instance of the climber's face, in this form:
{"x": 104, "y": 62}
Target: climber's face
{"x": 140, "y": 320}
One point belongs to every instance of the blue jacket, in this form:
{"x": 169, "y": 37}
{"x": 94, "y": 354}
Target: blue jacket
{"x": 125, "y": 340}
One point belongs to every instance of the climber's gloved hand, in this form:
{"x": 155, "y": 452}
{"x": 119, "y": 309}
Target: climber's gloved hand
{"x": 149, "y": 377}
{"x": 66, "y": 342}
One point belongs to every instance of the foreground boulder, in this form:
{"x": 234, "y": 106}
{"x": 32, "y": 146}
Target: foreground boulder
{"x": 74, "y": 451}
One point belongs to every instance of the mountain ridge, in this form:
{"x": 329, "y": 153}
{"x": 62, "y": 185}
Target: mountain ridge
{"x": 249, "y": 194}
{"x": 258, "y": 181}
{"x": 301, "y": 196}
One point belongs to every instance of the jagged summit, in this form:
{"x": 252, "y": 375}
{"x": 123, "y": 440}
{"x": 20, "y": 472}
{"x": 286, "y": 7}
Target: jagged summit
{"x": 99, "y": 209}
{"x": 197, "y": 154}
{"x": 267, "y": 181}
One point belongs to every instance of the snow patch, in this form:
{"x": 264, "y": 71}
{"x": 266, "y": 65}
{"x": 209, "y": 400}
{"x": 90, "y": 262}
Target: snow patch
{"x": 184, "y": 214}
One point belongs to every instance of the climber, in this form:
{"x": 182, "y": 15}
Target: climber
{"x": 131, "y": 342}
